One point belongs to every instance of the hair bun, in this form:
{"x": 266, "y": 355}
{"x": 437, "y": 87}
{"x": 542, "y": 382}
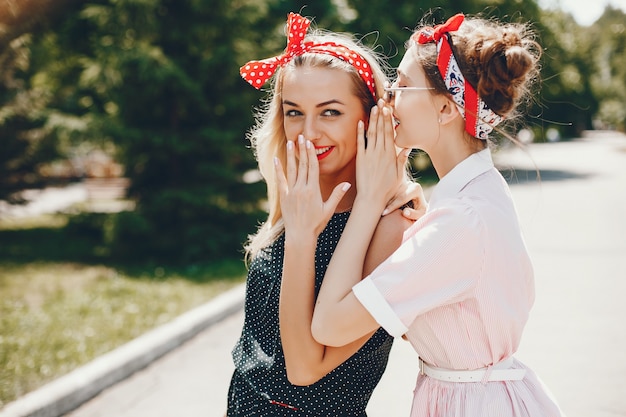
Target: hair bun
{"x": 501, "y": 63}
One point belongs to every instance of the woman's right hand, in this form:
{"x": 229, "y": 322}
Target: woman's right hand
{"x": 304, "y": 212}
{"x": 410, "y": 198}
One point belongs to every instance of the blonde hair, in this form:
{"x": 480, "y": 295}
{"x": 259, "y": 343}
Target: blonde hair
{"x": 268, "y": 138}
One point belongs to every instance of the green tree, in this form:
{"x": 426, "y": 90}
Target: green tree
{"x": 28, "y": 133}
{"x": 607, "y": 38}
{"x": 165, "y": 74}
{"x": 566, "y": 98}
{"x": 25, "y": 140}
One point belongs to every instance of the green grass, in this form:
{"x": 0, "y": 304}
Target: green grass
{"x": 61, "y": 307}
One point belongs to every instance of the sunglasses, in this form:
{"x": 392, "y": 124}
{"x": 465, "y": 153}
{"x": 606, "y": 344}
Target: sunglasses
{"x": 391, "y": 92}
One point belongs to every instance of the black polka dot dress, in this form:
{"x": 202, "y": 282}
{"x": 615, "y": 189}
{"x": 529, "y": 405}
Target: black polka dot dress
{"x": 259, "y": 386}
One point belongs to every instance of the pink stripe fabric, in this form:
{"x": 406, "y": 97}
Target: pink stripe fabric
{"x": 462, "y": 283}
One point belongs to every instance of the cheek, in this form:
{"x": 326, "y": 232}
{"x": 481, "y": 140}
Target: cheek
{"x": 417, "y": 123}
{"x": 291, "y": 130}
{"x": 349, "y": 135}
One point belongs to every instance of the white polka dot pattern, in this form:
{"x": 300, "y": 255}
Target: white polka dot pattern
{"x": 259, "y": 386}
{"x": 258, "y": 72}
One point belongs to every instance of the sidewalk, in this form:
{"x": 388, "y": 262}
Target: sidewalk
{"x": 574, "y": 223}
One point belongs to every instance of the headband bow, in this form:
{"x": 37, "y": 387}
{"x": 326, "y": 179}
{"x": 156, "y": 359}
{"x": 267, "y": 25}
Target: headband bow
{"x": 479, "y": 118}
{"x": 434, "y": 34}
{"x": 258, "y": 72}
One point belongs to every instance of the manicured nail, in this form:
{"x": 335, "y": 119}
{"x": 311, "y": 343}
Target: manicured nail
{"x": 385, "y": 212}
{"x": 406, "y": 212}
{"x": 300, "y": 139}
{"x": 361, "y": 124}
{"x": 308, "y": 144}
{"x": 346, "y": 186}
{"x": 289, "y": 145}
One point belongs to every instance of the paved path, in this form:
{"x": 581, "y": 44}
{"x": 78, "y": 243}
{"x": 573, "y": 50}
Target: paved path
{"x": 575, "y": 225}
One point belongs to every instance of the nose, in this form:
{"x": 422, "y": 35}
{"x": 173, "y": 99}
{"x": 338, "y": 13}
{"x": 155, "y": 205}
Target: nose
{"x": 311, "y": 129}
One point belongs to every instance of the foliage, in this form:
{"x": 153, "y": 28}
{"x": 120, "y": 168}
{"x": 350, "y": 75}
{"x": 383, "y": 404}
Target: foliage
{"x": 157, "y": 82}
{"x": 607, "y": 39}
{"x": 567, "y": 100}
{"x": 26, "y": 141}
{"x": 30, "y": 123}
{"x": 156, "y": 78}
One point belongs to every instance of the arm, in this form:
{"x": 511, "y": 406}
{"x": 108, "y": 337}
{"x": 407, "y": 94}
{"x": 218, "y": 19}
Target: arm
{"x": 339, "y": 317}
{"x": 307, "y": 360}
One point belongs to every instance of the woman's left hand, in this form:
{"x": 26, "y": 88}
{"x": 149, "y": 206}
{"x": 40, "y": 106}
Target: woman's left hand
{"x": 381, "y": 169}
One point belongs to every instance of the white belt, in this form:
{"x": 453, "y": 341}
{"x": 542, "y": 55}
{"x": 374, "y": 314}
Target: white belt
{"x": 498, "y": 372}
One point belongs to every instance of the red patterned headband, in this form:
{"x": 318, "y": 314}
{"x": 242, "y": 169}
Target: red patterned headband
{"x": 479, "y": 118}
{"x": 258, "y": 72}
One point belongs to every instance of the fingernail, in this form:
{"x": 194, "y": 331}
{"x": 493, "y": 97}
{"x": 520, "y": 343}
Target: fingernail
{"x": 361, "y": 124}
{"x": 346, "y": 186}
{"x": 385, "y": 212}
{"x": 289, "y": 145}
{"x": 308, "y": 144}
{"x": 300, "y": 139}
{"x": 406, "y": 211}
{"x": 276, "y": 160}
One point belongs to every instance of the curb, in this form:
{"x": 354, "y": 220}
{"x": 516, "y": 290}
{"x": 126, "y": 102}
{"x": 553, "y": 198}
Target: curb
{"x": 70, "y": 391}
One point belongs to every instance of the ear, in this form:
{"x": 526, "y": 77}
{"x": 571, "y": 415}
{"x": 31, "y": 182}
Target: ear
{"x": 448, "y": 111}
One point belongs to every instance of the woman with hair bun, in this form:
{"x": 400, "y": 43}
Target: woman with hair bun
{"x": 460, "y": 287}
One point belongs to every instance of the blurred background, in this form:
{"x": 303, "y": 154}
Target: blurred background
{"x": 127, "y": 185}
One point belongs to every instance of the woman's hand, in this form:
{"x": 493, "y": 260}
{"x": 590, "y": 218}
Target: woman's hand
{"x": 304, "y": 212}
{"x": 411, "y": 195}
{"x": 379, "y": 167}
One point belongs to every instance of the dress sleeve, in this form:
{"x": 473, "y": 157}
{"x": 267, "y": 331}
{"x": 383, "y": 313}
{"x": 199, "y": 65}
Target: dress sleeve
{"x": 438, "y": 263}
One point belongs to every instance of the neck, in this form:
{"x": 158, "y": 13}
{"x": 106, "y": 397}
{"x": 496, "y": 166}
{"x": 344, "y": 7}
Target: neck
{"x": 450, "y": 152}
{"x": 326, "y": 189}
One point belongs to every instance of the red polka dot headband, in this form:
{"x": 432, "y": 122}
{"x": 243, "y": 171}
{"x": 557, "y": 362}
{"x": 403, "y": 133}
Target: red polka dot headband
{"x": 258, "y": 72}
{"x": 479, "y": 119}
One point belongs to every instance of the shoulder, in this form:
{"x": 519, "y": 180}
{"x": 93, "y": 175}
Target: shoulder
{"x": 387, "y": 238}
{"x": 459, "y": 213}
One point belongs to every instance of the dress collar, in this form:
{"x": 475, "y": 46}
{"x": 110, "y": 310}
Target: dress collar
{"x": 464, "y": 172}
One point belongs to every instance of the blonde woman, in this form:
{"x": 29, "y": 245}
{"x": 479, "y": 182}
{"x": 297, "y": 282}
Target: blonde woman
{"x": 323, "y": 85}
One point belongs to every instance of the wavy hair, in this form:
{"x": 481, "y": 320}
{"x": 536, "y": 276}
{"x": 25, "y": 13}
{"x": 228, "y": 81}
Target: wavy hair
{"x": 267, "y": 137}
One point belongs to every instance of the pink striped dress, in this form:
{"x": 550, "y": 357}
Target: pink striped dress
{"x": 460, "y": 288}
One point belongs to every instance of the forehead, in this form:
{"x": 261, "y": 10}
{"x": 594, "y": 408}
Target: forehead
{"x": 317, "y": 82}
{"x": 408, "y": 66}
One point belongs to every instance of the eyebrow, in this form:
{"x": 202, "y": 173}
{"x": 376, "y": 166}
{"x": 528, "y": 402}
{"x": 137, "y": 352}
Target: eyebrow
{"x": 324, "y": 104}
{"x": 399, "y": 73}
